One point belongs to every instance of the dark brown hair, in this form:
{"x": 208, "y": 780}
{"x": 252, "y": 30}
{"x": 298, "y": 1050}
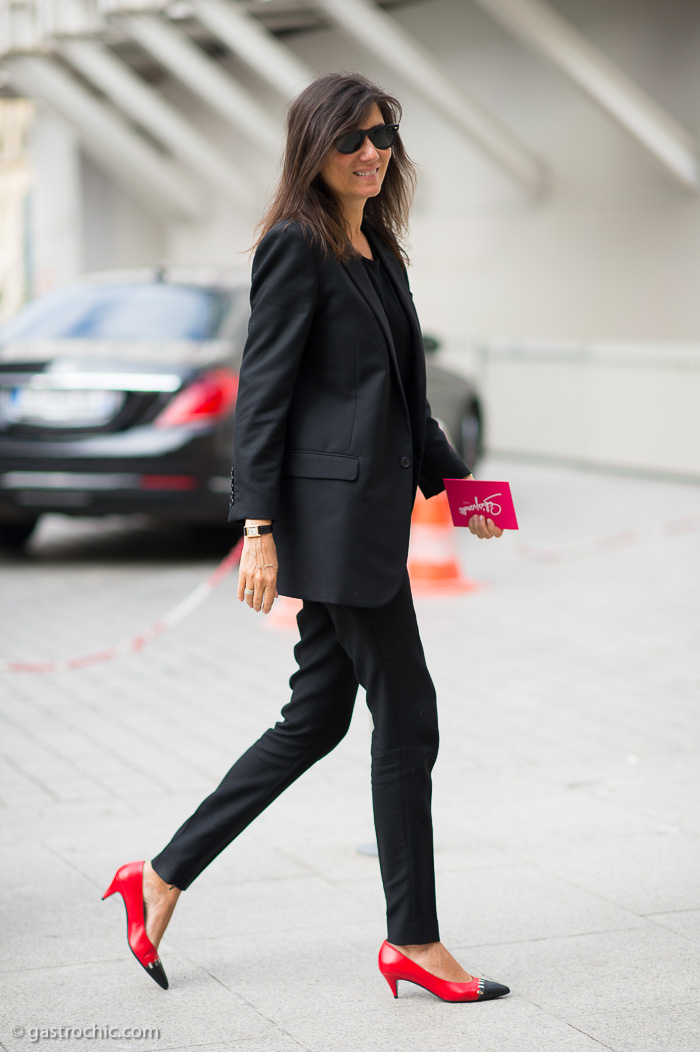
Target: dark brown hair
{"x": 332, "y": 105}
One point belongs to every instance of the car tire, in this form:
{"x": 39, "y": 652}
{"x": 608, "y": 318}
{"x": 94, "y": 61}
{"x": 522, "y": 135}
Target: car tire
{"x": 214, "y": 536}
{"x": 469, "y": 433}
{"x": 15, "y": 534}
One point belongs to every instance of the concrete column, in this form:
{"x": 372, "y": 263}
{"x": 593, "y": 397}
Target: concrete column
{"x": 56, "y": 215}
{"x": 15, "y": 182}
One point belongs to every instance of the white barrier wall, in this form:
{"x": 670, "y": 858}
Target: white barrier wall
{"x": 612, "y": 405}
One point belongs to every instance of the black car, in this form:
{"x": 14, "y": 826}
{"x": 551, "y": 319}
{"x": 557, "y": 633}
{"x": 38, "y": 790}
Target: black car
{"x": 117, "y": 395}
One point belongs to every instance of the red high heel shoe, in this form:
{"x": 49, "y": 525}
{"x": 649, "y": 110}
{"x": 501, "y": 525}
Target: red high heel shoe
{"x": 128, "y": 881}
{"x": 394, "y": 965}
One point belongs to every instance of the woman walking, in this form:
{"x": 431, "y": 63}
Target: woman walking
{"x": 333, "y": 435}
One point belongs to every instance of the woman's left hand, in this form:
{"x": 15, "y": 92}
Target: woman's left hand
{"x": 484, "y": 528}
{"x": 481, "y": 526}
{"x": 257, "y": 572}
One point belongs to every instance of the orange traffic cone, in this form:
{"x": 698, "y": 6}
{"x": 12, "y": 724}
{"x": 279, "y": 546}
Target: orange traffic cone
{"x": 283, "y": 613}
{"x": 432, "y": 557}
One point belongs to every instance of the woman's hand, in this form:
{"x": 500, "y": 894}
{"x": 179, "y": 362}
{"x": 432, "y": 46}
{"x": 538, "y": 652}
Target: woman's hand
{"x": 482, "y": 527}
{"x": 257, "y": 571}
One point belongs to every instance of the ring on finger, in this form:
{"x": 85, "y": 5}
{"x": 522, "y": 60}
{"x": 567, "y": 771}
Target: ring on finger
{"x": 249, "y": 591}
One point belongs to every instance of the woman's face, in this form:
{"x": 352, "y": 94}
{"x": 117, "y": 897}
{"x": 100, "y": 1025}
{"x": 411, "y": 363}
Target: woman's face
{"x": 353, "y": 177}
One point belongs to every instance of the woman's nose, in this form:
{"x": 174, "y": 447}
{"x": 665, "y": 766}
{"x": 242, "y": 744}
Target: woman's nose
{"x": 368, "y": 152}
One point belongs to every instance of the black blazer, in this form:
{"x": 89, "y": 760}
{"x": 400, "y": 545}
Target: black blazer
{"x": 326, "y": 444}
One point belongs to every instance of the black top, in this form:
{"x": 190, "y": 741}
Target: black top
{"x": 396, "y": 316}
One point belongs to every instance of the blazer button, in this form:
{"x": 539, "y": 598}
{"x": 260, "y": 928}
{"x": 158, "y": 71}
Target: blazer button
{"x": 405, "y": 462}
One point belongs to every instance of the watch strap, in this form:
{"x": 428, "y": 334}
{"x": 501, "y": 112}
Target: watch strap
{"x": 256, "y": 531}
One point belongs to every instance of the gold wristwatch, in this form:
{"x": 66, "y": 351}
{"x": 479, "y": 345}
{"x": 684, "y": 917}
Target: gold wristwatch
{"x": 256, "y": 531}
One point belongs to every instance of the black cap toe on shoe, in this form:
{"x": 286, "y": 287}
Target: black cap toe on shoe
{"x": 492, "y": 990}
{"x": 156, "y": 971}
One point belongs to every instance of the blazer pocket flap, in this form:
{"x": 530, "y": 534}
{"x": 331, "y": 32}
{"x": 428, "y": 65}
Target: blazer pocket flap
{"x": 306, "y": 463}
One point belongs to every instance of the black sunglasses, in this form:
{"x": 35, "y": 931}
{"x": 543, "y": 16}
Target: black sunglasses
{"x": 382, "y": 137}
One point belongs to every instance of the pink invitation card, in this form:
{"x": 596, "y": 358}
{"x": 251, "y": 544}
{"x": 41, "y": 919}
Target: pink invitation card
{"x": 476, "y": 497}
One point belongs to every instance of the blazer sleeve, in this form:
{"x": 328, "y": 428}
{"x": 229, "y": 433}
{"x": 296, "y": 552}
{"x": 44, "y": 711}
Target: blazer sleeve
{"x": 440, "y": 460}
{"x": 283, "y": 300}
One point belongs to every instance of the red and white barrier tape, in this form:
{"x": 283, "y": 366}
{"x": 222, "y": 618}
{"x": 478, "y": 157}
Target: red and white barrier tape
{"x": 581, "y": 550}
{"x": 585, "y": 549}
{"x": 173, "y": 617}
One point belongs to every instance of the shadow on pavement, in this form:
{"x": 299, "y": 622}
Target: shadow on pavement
{"x": 61, "y": 540}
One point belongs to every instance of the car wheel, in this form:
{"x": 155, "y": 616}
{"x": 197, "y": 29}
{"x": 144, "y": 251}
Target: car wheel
{"x": 470, "y": 435}
{"x": 14, "y": 535}
{"x": 212, "y": 536}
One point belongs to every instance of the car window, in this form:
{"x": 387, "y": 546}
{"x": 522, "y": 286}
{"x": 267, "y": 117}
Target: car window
{"x": 156, "y": 311}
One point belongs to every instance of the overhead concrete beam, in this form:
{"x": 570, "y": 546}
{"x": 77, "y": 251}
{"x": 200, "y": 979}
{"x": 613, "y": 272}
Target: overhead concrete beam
{"x": 544, "y": 29}
{"x": 131, "y": 161}
{"x": 253, "y": 44}
{"x": 204, "y": 77}
{"x": 394, "y": 46}
{"x": 149, "y": 109}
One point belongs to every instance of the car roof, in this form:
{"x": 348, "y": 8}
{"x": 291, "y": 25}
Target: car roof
{"x": 205, "y": 276}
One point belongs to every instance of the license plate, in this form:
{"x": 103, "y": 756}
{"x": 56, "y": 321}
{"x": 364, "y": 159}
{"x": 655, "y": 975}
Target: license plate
{"x": 64, "y": 408}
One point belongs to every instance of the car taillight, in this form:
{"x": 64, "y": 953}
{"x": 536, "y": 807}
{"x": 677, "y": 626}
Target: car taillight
{"x": 168, "y": 482}
{"x": 206, "y": 398}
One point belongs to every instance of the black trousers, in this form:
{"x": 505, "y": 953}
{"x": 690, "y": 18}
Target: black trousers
{"x": 339, "y": 647}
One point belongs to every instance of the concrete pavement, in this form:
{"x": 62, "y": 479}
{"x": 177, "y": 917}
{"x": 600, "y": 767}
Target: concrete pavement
{"x": 567, "y": 810}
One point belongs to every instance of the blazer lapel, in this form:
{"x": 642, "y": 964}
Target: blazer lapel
{"x": 356, "y": 270}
